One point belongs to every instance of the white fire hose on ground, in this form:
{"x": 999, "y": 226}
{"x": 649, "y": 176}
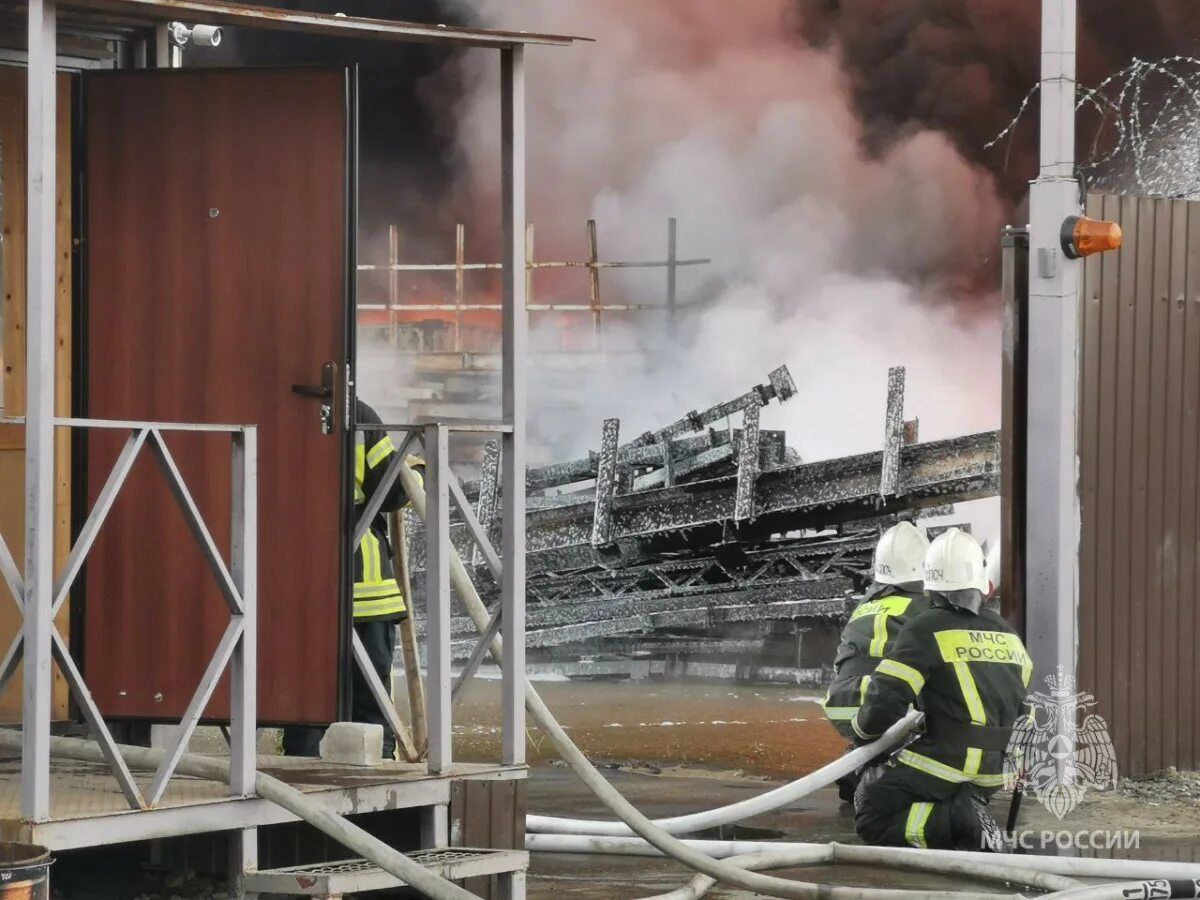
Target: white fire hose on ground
{"x": 638, "y": 823}
{"x": 211, "y": 768}
{"x": 1066, "y": 866}
{"x": 743, "y": 809}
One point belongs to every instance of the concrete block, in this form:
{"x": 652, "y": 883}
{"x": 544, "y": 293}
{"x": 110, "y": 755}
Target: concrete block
{"x": 353, "y": 743}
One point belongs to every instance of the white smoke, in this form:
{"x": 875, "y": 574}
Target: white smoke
{"x": 835, "y": 263}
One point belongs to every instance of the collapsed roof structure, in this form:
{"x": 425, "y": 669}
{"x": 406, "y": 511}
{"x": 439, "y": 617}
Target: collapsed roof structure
{"x": 708, "y": 549}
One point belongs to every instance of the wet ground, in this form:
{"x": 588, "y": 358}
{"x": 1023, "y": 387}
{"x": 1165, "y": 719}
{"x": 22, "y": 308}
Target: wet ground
{"x": 674, "y": 749}
{"x": 677, "y": 748}
{"x": 772, "y": 731}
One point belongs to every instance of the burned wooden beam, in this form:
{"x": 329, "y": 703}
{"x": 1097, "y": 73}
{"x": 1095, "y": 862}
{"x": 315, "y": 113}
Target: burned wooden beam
{"x": 893, "y": 433}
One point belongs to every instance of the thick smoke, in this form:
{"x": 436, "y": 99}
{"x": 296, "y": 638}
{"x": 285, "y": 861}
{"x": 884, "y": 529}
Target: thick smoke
{"x": 829, "y": 257}
{"x": 962, "y": 66}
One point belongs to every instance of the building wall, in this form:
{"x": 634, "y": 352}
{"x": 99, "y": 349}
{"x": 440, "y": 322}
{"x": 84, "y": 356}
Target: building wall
{"x": 1140, "y": 482}
{"x": 13, "y": 174}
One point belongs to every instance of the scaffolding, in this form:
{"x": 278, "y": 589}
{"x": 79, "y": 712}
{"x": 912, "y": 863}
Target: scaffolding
{"x": 596, "y": 306}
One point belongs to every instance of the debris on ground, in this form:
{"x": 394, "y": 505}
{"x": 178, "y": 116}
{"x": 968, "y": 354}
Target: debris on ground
{"x": 1170, "y": 785}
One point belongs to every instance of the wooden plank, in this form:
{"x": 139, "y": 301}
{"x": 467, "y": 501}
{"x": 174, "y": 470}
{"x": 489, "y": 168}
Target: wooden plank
{"x": 477, "y": 828}
{"x": 12, "y": 443}
{"x": 13, "y": 189}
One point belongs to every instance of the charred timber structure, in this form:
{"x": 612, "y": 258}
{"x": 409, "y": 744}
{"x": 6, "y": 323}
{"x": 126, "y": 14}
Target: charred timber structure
{"x": 712, "y": 551}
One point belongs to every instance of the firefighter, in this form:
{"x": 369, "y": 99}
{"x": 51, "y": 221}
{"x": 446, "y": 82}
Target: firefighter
{"x": 968, "y": 671}
{"x": 896, "y": 596}
{"x": 379, "y": 603}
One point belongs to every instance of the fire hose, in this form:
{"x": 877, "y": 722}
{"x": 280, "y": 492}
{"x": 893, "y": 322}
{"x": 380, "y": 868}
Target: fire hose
{"x": 284, "y": 795}
{"x": 637, "y": 822}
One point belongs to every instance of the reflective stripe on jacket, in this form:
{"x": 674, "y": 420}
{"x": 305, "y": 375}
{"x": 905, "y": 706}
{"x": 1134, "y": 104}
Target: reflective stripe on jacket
{"x": 873, "y": 626}
{"x": 377, "y": 594}
{"x": 969, "y": 674}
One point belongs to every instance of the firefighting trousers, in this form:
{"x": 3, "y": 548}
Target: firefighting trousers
{"x": 379, "y": 639}
{"x": 896, "y": 806}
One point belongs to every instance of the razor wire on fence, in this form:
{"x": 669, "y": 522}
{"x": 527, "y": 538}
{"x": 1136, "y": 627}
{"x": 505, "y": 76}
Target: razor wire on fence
{"x": 1147, "y": 135}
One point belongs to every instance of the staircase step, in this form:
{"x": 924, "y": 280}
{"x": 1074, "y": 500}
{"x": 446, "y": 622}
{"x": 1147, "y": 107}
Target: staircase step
{"x": 349, "y": 876}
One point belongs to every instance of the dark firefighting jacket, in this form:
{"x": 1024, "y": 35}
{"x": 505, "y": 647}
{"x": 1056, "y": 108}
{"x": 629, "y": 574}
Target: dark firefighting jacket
{"x": 377, "y": 595}
{"x": 872, "y": 628}
{"x": 969, "y": 674}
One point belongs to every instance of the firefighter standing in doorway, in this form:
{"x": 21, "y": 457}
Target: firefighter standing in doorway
{"x": 968, "y": 671}
{"x": 379, "y": 603}
{"x": 897, "y": 595}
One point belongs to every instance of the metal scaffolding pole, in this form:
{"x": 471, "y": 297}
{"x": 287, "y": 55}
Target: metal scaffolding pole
{"x": 514, "y": 352}
{"x": 39, "y": 422}
{"x": 1053, "y": 517}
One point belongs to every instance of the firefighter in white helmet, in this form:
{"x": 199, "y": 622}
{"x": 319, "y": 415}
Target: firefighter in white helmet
{"x": 896, "y": 595}
{"x": 968, "y": 671}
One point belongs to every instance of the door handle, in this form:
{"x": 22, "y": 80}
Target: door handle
{"x": 322, "y": 392}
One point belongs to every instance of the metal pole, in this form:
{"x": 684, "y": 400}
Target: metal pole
{"x": 243, "y": 665}
{"x": 671, "y": 273}
{"x": 39, "y": 422}
{"x": 594, "y": 281}
{"x": 393, "y": 285}
{"x": 1052, "y": 537}
{"x": 460, "y": 259}
{"x": 437, "y": 596}
{"x": 514, "y": 355}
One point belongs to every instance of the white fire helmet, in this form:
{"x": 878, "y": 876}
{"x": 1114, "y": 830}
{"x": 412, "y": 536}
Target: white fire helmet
{"x": 954, "y": 562}
{"x": 900, "y": 554}
{"x": 993, "y": 570}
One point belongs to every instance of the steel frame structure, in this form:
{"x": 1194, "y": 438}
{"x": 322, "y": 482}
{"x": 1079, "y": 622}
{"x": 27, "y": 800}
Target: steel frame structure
{"x": 36, "y": 591}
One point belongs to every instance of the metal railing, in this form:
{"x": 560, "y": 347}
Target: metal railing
{"x": 237, "y": 581}
{"x": 442, "y": 489}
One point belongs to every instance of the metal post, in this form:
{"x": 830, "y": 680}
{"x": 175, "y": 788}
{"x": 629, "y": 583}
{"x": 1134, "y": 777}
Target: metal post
{"x": 243, "y": 665}
{"x": 594, "y": 281}
{"x": 514, "y": 355}
{"x": 529, "y": 267}
{"x": 1052, "y": 538}
{"x": 437, "y": 596}
{"x": 460, "y": 259}
{"x": 41, "y": 287}
{"x": 672, "y": 255}
{"x": 393, "y": 285}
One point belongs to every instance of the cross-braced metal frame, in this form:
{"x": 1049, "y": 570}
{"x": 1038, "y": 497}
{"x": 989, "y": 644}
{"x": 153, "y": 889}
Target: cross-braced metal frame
{"x": 441, "y": 489}
{"x": 237, "y": 582}
{"x": 40, "y": 596}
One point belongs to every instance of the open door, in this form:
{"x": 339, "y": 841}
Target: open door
{"x": 218, "y": 276}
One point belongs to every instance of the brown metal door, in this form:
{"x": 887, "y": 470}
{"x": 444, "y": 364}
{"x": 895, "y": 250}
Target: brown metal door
{"x": 216, "y": 279}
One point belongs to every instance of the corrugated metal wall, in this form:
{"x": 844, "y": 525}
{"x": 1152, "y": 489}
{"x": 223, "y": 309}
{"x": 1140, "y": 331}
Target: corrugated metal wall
{"x": 1140, "y": 462}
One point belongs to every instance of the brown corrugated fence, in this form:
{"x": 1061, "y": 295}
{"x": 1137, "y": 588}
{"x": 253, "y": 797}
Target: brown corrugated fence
{"x": 1140, "y": 490}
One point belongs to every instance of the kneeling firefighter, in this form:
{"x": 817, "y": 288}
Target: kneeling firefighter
{"x": 896, "y": 596}
{"x": 968, "y": 671}
{"x": 379, "y": 603}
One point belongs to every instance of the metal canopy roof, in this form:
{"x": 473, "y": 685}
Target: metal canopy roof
{"x": 212, "y": 12}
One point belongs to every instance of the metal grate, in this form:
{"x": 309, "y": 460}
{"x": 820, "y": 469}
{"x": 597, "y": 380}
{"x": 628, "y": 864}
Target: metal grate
{"x": 356, "y": 876}
{"x": 426, "y": 858}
